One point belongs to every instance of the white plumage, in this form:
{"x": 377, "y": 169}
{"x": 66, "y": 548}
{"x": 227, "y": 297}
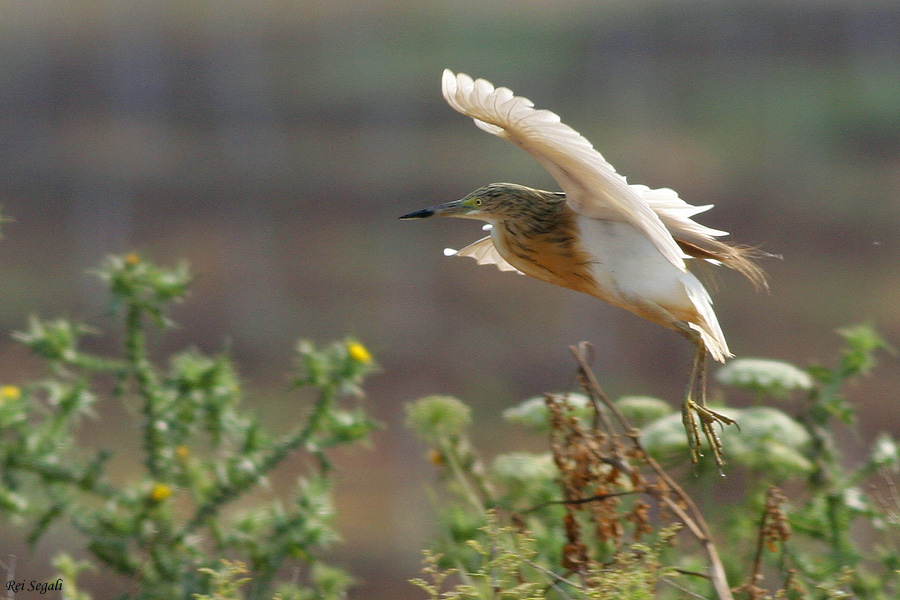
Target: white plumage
{"x": 592, "y": 186}
{"x": 650, "y": 281}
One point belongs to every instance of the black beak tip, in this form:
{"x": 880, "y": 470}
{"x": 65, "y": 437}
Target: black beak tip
{"x": 419, "y": 214}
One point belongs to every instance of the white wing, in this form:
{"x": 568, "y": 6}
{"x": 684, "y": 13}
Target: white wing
{"x": 676, "y": 213}
{"x": 592, "y": 186}
{"x": 485, "y": 253}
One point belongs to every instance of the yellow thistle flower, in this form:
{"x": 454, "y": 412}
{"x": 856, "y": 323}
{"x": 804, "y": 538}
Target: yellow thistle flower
{"x": 436, "y": 458}
{"x": 160, "y": 492}
{"x": 10, "y": 392}
{"x": 359, "y": 353}
{"x": 132, "y": 259}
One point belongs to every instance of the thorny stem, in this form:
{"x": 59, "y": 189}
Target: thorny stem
{"x": 136, "y": 351}
{"x": 233, "y": 488}
{"x": 691, "y": 516}
{"x": 86, "y": 480}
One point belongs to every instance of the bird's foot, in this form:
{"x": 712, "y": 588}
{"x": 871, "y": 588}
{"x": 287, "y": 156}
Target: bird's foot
{"x": 691, "y": 414}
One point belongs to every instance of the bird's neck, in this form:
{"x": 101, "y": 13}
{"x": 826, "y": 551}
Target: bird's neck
{"x": 543, "y": 214}
{"x": 544, "y": 244}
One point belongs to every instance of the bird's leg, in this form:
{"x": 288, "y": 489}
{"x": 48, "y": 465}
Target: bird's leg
{"x": 688, "y": 418}
{"x": 693, "y": 411}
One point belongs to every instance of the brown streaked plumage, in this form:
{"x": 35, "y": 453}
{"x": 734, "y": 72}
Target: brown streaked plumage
{"x": 625, "y": 244}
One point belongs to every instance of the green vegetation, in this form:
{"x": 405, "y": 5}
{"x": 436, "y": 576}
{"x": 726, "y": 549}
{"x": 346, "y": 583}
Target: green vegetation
{"x": 163, "y": 526}
{"x": 601, "y": 515}
{"x": 613, "y": 509}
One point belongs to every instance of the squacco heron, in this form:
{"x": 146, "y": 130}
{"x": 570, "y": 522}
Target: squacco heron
{"x": 625, "y": 244}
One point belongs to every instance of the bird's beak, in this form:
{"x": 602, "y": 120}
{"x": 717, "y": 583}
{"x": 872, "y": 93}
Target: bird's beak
{"x": 419, "y": 214}
{"x": 448, "y": 209}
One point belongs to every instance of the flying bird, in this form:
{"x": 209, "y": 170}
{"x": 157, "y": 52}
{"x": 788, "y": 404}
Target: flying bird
{"x": 623, "y": 243}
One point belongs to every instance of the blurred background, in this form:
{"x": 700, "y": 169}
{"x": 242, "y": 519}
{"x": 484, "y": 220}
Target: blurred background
{"x": 272, "y": 145}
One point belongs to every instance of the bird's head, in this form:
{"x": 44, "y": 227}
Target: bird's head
{"x": 493, "y": 203}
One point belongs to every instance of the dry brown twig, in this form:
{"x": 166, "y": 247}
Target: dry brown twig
{"x": 602, "y": 459}
{"x": 773, "y": 528}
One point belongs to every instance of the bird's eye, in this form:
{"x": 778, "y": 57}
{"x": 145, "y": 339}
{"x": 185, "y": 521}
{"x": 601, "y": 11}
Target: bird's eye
{"x": 477, "y": 201}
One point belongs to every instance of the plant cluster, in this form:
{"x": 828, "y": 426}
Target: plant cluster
{"x": 162, "y": 522}
{"x": 606, "y": 512}
{"x": 597, "y": 516}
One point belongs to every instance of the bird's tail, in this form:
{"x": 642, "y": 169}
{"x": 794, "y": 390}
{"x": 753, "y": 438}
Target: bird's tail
{"x": 697, "y": 240}
{"x": 740, "y": 258}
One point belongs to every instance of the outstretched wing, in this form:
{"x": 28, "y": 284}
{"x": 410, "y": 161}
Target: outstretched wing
{"x": 592, "y": 186}
{"x": 485, "y": 253}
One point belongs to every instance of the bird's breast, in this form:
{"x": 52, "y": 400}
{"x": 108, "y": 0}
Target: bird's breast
{"x": 610, "y": 260}
{"x": 551, "y": 254}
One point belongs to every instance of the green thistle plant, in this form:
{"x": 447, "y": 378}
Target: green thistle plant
{"x": 162, "y": 528}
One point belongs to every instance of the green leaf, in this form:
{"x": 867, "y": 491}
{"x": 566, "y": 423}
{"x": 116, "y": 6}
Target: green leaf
{"x": 773, "y": 377}
{"x": 55, "y": 340}
{"x": 862, "y": 344}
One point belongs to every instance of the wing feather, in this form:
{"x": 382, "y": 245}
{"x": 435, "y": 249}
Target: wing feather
{"x": 485, "y": 253}
{"x": 676, "y": 213}
{"x": 708, "y": 325}
{"x": 593, "y": 187}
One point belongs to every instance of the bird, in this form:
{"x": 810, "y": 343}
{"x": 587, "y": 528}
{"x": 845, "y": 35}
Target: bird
{"x": 626, "y": 244}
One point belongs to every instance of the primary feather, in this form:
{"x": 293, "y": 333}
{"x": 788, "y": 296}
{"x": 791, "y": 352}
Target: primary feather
{"x": 592, "y": 186}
